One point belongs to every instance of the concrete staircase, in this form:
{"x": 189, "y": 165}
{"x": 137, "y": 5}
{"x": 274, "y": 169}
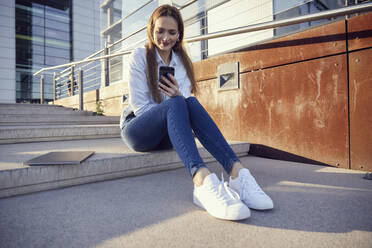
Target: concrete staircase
{"x": 33, "y": 123}
{"x": 24, "y": 126}
{"x": 111, "y": 160}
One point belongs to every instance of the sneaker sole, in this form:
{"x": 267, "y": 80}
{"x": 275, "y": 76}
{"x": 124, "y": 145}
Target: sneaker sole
{"x": 199, "y": 204}
{"x": 257, "y": 208}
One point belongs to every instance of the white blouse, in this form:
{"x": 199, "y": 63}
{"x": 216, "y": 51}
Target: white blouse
{"x": 140, "y": 98}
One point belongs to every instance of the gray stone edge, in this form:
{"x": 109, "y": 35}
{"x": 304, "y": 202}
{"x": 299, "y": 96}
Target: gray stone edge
{"x": 59, "y": 138}
{"x": 40, "y": 178}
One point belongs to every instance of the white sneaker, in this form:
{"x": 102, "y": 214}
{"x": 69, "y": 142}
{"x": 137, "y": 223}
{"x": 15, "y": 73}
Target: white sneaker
{"x": 219, "y": 200}
{"x": 250, "y": 192}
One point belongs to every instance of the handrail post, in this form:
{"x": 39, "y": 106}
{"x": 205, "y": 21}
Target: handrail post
{"x": 105, "y": 68}
{"x": 72, "y": 77}
{"x": 81, "y": 93}
{"x": 54, "y": 86}
{"x": 42, "y": 89}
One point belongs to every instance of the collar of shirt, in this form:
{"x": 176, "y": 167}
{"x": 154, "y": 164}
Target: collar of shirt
{"x": 174, "y": 58}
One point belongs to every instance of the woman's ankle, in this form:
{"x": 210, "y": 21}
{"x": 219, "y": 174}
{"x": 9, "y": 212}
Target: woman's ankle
{"x": 234, "y": 173}
{"x": 199, "y": 176}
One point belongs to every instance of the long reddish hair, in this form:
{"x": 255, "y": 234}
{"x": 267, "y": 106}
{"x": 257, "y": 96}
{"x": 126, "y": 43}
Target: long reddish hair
{"x": 152, "y": 65}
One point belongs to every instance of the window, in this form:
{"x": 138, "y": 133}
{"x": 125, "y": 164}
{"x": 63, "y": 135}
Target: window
{"x": 43, "y": 38}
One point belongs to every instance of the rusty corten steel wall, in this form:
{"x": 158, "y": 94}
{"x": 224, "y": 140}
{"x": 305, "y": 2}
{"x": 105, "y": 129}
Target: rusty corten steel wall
{"x": 360, "y": 80}
{"x": 360, "y": 32}
{"x": 310, "y": 44}
{"x": 361, "y": 109}
{"x": 294, "y": 95}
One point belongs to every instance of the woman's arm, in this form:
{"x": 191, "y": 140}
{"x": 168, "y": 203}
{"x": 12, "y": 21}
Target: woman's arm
{"x": 140, "y": 96}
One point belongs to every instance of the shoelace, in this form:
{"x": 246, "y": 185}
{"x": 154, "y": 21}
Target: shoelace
{"x": 225, "y": 193}
{"x": 249, "y": 185}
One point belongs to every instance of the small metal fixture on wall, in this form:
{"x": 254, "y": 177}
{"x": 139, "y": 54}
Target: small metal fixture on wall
{"x": 125, "y": 98}
{"x": 228, "y": 76}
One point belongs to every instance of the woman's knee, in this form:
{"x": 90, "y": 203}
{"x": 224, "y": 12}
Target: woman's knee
{"x": 191, "y": 100}
{"x": 176, "y": 103}
{"x": 176, "y": 99}
{"x": 192, "y": 103}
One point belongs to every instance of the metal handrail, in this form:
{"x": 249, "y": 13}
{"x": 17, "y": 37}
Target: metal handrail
{"x": 125, "y": 17}
{"x": 285, "y": 22}
{"x": 90, "y": 56}
{"x": 92, "y": 68}
{"x": 83, "y": 61}
{"x": 245, "y": 29}
{"x": 141, "y": 29}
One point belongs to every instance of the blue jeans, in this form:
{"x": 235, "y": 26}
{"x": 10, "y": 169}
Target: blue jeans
{"x": 171, "y": 123}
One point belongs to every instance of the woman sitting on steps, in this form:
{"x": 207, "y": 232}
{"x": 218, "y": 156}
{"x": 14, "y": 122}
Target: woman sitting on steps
{"x": 165, "y": 115}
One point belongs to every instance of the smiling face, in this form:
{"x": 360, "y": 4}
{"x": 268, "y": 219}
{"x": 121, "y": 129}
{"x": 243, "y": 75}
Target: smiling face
{"x": 165, "y": 33}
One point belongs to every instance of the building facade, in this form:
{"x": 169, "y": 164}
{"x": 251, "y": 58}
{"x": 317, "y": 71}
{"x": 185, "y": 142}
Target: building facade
{"x": 41, "y": 33}
{"x": 128, "y": 18}
{"x": 35, "y": 34}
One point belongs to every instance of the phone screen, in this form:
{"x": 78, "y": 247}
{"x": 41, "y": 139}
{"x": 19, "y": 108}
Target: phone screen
{"x": 163, "y": 72}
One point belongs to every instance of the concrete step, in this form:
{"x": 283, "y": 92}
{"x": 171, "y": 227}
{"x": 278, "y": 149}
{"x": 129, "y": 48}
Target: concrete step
{"x": 112, "y": 159}
{"x": 37, "y": 119}
{"x": 30, "y": 106}
{"x": 29, "y": 133}
{"x": 30, "y": 109}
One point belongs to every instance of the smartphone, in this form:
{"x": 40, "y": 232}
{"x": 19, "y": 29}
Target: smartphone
{"x": 163, "y": 72}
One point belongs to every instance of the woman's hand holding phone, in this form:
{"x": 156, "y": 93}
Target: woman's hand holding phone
{"x": 172, "y": 89}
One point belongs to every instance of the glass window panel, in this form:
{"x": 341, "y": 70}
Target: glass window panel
{"x": 37, "y": 9}
{"x": 103, "y": 19}
{"x": 33, "y": 40}
{"x": 49, "y": 60}
{"x": 63, "y": 53}
{"x": 194, "y": 49}
{"x": 117, "y": 16}
{"x": 58, "y": 6}
{"x": 57, "y": 25}
{"x": 138, "y": 20}
{"x": 28, "y": 20}
{"x": 38, "y": 49}
{"x": 37, "y": 59}
{"x": 23, "y": 28}
{"x": 22, "y": 58}
{"x": 37, "y": 30}
{"x": 23, "y": 46}
{"x": 25, "y": 7}
{"x": 58, "y": 43}
{"x": 57, "y": 34}
{"x": 52, "y": 15}
{"x": 130, "y": 5}
{"x": 37, "y": 21}
{"x": 235, "y": 14}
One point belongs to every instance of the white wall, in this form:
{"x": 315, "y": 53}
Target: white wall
{"x": 285, "y": 4}
{"x": 238, "y": 13}
{"x": 86, "y": 28}
{"x": 7, "y": 52}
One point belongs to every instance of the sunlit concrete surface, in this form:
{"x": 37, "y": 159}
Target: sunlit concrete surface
{"x": 13, "y": 155}
{"x": 111, "y": 160}
{"x": 315, "y": 206}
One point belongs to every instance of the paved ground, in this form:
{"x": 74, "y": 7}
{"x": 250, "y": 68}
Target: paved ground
{"x": 314, "y": 207}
